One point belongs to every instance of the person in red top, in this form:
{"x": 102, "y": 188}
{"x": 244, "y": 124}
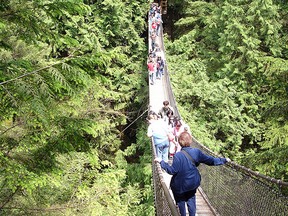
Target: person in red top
{"x": 154, "y": 26}
{"x": 151, "y": 70}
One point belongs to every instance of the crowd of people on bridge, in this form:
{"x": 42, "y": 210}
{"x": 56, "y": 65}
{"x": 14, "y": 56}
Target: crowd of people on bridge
{"x": 172, "y": 140}
{"x": 165, "y": 128}
{"x": 171, "y": 137}
{"x": 155, "y": 61}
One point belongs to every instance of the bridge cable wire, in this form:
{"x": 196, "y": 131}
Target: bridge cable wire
{"x": 232, "y": 189}
{"x": 133, "y": 122}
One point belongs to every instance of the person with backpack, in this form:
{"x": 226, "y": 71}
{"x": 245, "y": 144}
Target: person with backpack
{"x": 158, "y": 131}
{"x": 185, "y": 175}
{"x": 160, "y": 67}
{"x": 166, "y": 112}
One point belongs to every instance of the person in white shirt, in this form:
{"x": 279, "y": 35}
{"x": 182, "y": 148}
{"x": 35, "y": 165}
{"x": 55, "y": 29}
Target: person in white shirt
{"x": 158, "y": 130}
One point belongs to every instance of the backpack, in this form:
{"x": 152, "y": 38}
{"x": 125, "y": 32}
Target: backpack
{"x": 162, "y": 63}
{"x": 169, "y": 112}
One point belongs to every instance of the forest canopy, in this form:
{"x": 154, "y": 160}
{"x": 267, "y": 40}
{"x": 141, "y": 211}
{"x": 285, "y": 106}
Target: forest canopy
{"x": 71, "y": 80}
{"x": 70, "y": 77}
{"x": 228, "y": 63}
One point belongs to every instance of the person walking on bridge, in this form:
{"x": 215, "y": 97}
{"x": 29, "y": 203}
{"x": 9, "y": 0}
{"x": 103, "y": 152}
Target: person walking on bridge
{"x": 158, "y": 130}
{"x": 186, "y": 177}
{"x": 160, "y": 67}
{"x": 151, "y": 70}
{"x": 166, "y": 112}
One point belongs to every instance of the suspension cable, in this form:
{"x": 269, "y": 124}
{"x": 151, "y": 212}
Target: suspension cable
{"x": 133, "y": 121}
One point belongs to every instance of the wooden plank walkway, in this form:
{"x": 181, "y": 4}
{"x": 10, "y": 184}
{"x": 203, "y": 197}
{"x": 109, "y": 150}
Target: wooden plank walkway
{"x": 202, "y": 207}
{"x": 157, "y": 94}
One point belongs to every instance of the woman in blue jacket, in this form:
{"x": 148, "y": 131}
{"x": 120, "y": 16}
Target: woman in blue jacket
{"x": 186, "y": 177}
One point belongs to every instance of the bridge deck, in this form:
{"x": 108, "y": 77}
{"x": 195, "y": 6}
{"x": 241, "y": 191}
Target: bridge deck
{"x": 157, "y": 96}
{"x": 202, "y": 207}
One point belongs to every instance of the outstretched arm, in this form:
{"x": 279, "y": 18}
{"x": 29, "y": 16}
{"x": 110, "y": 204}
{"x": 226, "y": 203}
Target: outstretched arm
{"x": 211, "y": 161}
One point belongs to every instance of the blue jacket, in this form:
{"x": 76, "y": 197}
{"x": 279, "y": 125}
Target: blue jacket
{"x": 186, "y": 176}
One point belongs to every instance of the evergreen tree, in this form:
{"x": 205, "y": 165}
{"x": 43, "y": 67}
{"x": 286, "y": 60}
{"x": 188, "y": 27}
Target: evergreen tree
{"x": 233, "y": 57}
{"x": 69, "y": 79}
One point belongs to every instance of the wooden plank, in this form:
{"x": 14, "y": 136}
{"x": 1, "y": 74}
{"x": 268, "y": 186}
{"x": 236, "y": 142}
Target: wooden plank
{"x": 202, "y": 208}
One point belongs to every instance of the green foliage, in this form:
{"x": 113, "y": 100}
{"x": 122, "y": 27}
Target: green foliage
{"x": 228, "y": 64}
{"x": 275, "y": 144}
{"x": 139, "y": 173}
{"x": 69, "y": 80}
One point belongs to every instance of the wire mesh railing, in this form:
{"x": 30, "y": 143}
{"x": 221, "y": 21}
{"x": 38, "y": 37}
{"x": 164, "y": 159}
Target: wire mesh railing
{"x": 236, "y": 190}
{"x": 231, "y": 189}
{"x": 164, "y": 203}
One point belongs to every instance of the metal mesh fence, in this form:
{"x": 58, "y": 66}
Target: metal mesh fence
{"x": 164, "y": 203}
{"x": 234, "y": 191}
{"x": 230, "y": 189}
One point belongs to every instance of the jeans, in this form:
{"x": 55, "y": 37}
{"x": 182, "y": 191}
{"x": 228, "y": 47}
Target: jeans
{"x": 162, "y": 150}
{"x": 153, "y": 45}
{"x": 189, "y": 198}
{"x": 151, "y": 75}
{"x": 157, "y": 29}
{"x": 158, "y": 74}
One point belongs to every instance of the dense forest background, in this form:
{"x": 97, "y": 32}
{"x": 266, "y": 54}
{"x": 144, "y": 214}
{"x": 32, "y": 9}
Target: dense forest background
{"x": 229, "y": 69}
{"x": 72, "y": 79}
{"x": 74, "y": 95}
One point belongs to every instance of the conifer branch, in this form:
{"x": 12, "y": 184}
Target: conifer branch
{"x": 10, "y": 128}
{"x": 33, "y": 72}
{"x": 9, "y": 198}
{"x": 10, "y": 95}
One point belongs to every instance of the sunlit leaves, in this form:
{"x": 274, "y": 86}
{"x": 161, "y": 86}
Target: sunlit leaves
{"x": 238, "y": 93}
{"x": 73, "y": 72}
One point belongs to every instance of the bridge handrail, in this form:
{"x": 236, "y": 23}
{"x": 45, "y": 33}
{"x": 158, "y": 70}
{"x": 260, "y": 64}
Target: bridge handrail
{"x": 165, "y": 205}
{"x": 174, "y": 104}
{"x": 250, "y": 204}
{"x": 244, "y": 169}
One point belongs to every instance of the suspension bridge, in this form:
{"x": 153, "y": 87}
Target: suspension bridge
{"x": 225, "y": 190}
